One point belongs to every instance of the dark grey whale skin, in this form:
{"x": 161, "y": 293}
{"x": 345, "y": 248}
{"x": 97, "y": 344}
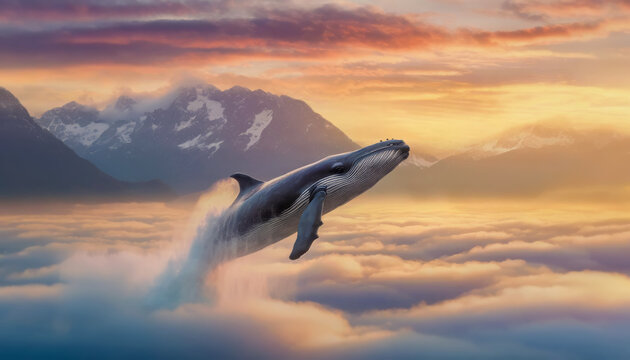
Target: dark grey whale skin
{"x": 260, "y": 202}
{"x": 310, "y": 221}
{"x": 270, "y": 199}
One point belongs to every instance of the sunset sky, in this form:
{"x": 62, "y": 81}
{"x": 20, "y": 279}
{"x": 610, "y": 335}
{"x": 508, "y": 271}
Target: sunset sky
{"x": 440, "y": 74}
{"x": 511, "y": 248}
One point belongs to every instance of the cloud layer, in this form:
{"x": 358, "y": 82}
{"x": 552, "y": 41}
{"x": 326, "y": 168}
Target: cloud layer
{"x": 434, "y": 279}
{"x": 287, "y": 32}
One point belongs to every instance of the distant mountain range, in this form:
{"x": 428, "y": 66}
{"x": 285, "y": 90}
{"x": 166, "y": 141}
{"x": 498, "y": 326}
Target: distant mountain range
{"x": 196, "y": 135}
{"x": 524, "y": 161}
{"x": 34, "y": 163}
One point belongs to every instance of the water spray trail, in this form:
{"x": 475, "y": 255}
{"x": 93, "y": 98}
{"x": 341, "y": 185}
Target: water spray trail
{"x": 205, "y": 244}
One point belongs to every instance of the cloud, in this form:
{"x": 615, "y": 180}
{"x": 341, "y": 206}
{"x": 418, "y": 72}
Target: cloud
{"x": 600, "y": 249}
{"x": 543, "y": 34}
{"x": 327, "y": 31}
{"x": 71, "y": 10}
{"x": 575, "y": 295}
{"x": 290, "y": 33}
{"x": 538, "y": 10}
{"x": 29, "y": 292}
{"x": 391, "y": 282}
{"x": 546, "y": 286}
{"x": 562, "y": 306}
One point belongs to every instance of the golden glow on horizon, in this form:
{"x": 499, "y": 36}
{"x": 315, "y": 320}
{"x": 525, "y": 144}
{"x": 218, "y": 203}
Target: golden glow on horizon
{"x": 447, "y": 118}
{"x": 439, "y": 87}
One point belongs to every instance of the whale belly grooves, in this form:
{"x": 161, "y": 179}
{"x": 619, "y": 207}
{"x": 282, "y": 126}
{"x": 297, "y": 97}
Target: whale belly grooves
{"x": 262, "y": 230}
{"x": 267, "y": 232}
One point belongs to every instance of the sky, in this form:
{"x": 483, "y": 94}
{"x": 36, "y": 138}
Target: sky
{"x": 441, "y": 74}
{"x": 493, "y": 273}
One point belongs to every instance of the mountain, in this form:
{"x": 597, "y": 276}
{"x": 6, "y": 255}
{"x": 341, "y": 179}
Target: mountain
{"x": 527, "y": 161}
{"x": 76, "y": 125}
{"x": 530, "y": 136}
{"x": 33, "y": 162}
{"x": 196, "y": 135}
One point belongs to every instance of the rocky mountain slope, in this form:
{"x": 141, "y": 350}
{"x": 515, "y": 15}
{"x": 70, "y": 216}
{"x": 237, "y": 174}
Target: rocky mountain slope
{"x": 196, "y": 135}
{"x": 35, "y": 163}
{"x": 526, "y": 161}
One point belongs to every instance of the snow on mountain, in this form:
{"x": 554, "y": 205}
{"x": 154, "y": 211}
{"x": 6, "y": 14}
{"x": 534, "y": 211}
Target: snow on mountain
{"x": 76, "y": 125}
{"x": 86, "y": 135}
{"x": 198, "y": 134}
{"x": 261, "y": 121}
{"x": 422, "y": 161}
{"x": 213, "y": 108}
{"x": 524, "y": 141}
{"x": 527, "y": 161}
{"x": 123, "y": 132}
{"x": 33, "y": 162}
{"x": 534, "y": 136}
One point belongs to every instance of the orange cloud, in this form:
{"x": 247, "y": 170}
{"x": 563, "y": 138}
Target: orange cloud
{"x": 539, "y": 33}
{"x": 21, "y": 11}
{"x": 545, "y": 10}
{"x": 293, "y": 33}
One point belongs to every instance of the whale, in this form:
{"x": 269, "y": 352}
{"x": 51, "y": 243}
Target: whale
{"x": 265, "y": 212}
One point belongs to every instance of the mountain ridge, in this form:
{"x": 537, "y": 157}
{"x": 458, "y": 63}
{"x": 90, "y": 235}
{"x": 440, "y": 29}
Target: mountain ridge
{"x": 196, "y": 135}
{"x": 34, "y": 163}
{"x": 525, "y": 161}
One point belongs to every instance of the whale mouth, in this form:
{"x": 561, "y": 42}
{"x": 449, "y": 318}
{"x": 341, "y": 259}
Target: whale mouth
{"x": 404, "y": 149}
{"x": 397, "y": 147}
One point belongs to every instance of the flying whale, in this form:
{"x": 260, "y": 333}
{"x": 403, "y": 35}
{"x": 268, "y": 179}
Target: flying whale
{"x": 264, "y": 213}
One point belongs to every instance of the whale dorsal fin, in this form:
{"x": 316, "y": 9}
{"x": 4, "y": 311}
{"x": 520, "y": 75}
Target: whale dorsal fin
{"x": 245, "y": 183}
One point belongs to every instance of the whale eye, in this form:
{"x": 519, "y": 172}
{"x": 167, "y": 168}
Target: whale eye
{"x": 338, "y": 168}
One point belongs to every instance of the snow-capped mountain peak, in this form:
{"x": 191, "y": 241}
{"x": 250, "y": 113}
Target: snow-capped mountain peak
{"x": 523, "y": 140}
{"x": 76, "y": 125}
{"x": 196, "y": 134}
{"x": 421, "y": 161}
{"x": 35, "y": 163}
{"x": 528, "y": 137}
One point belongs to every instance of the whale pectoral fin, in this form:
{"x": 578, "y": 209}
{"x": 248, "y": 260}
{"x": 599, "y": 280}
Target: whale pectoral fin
{"x": 310, "y": 221}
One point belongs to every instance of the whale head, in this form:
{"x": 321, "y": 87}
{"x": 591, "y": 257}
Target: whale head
{"x": 347, "y": 175}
